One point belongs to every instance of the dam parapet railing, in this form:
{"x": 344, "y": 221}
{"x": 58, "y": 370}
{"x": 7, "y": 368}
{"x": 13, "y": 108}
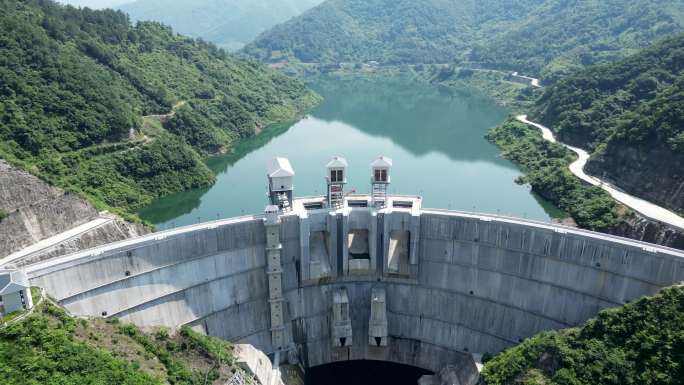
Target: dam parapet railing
{"x": 94, "y": 253}
{"x": 558, "y": 227}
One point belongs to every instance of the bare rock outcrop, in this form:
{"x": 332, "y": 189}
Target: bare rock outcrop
{"x": 652, "y": 172}
{"x": 34, "y": 210}
{"x": 112, "y": 231}
{"x": 637, "y": 227}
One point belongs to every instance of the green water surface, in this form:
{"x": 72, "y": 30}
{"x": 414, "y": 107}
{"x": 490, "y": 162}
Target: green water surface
{"x": 434, "y": 134}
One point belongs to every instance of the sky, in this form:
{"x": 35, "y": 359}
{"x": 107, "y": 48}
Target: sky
{"x": 97, "y": 4}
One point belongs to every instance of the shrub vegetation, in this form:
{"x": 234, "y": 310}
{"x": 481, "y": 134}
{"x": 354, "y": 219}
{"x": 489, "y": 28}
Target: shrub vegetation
{"x": 640, "y": 343}
{"x": 51, "y": 347}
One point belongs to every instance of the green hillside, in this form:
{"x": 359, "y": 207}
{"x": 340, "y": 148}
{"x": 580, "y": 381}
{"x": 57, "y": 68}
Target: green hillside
{"x": 631, "y": 115}
{"x": 387, "y": 31}
{"x": 95, "y": 4}
{"x": 561, "y": 36}
{"x": 228, "y": 23}
{"x": 640, "y": 343}
{"x": 75, "y": 85}
{"x": 51, "y": 347}
{"x": 548, "y": 38}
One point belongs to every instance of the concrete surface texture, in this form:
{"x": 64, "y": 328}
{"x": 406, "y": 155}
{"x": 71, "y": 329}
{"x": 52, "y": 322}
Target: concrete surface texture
{"x": 255, "y": 362}
{"x": 466, "y": 283}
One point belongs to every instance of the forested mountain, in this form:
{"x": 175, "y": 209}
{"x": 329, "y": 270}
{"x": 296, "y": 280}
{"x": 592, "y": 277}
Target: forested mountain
{"x": 76, "y": 83}
{"x": 539, "y": 37}
{"x": 228, "y": 23}
{"x": 639, "y": 343}
{"x": 559, "y": 36}
{"x": 388, "y": 31}
{"x": 631, "y": 114}
{"x": 95, "y": 4}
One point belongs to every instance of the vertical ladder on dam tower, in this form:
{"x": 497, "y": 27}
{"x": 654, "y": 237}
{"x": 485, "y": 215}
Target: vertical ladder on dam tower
{"x": 380, "y": 181}
{"x": 336, "y": 179}
{"x": 275, "y": 273}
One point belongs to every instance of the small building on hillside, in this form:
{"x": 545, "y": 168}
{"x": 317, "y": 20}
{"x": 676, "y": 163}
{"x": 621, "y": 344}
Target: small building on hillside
{"x": 15, "y": 292}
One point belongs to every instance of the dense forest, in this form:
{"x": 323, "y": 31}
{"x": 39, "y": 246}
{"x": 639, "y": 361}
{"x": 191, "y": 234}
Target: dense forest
{"x": 51, "y": 347}
{"x": 95, "y": 4}
{"x": 387, "y": 31}
{"x": 228, "y": 23}
{"x": 561, "y": 36}
{"x": 548, "y": 38}
{"x": 640, "y": 343}
{"x": 123, "y": 113}
{"x": 631, "y": 115}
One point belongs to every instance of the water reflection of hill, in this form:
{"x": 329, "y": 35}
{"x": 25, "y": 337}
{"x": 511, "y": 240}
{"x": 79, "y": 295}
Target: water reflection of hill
{"x": 220, "y": 164}
{"x": 172, "y": 206}
{"x": 419, "y": 117}
{"x": 424, "y": 127}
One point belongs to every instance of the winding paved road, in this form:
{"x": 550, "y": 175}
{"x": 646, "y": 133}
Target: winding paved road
{"x": 534, "y": 82}
{"x": 639, "y": 205}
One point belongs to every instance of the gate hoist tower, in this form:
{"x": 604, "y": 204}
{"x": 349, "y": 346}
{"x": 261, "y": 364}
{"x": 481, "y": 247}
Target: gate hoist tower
{"x": 380, "y": 181}
{"x": 336, "y": 178}
{"x": 280, "y": 186}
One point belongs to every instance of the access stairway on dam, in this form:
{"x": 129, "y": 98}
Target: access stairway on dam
{"x": 315, "y": 283}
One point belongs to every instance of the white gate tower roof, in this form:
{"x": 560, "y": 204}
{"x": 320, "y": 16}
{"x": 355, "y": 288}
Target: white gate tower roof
{"x": 279, "y": 168}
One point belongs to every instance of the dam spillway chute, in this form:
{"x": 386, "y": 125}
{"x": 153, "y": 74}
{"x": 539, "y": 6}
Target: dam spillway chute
{"x": 358, "y": 244}
{"x": 398, "y": 252}
{"x": 359, "y": 251}
{"x": 319, "y": 250}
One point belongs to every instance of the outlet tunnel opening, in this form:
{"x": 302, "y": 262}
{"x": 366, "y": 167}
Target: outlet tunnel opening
{"x": 364, "y": 372}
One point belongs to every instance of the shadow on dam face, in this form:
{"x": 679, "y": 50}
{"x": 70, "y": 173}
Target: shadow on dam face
{"x": 364, "y": 373}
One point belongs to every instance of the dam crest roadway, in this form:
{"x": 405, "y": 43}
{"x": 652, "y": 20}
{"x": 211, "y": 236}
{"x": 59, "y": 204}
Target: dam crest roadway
{"x": 324, "y": 279}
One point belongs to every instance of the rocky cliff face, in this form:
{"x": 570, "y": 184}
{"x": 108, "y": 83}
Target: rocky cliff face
{"x": 653, "y": 173}
{"x": 112, "y": 231}
{"x": 635, "y": 226}
{"x": 36, "y": 211}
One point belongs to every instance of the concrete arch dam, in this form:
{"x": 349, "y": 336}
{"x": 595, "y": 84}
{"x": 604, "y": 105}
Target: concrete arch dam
{"x": 404, "y": 284}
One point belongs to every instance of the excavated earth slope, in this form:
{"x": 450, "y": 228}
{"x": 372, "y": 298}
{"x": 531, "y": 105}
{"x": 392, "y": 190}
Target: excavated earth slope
{"x": 36, "y": 211}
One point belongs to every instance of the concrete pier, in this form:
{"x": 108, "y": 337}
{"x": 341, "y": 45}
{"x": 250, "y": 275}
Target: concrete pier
{"x": 446, "y": 284}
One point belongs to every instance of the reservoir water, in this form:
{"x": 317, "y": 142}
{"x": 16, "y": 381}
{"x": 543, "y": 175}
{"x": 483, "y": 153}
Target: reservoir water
{"x": 434, "y": 134}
